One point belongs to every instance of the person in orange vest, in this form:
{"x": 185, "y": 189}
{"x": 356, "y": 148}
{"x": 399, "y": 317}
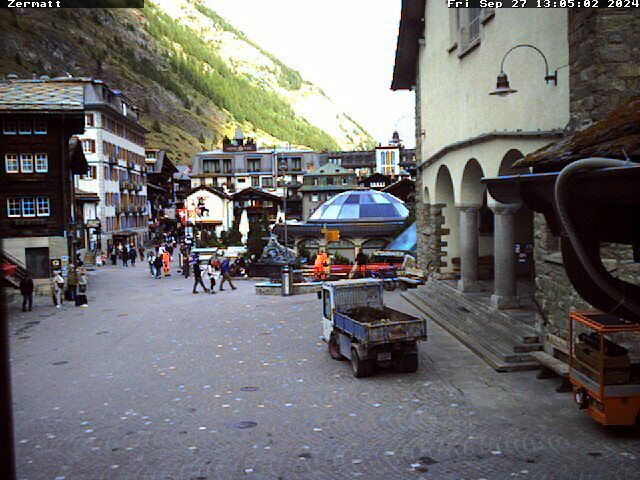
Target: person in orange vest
{"x": 322, "y": 260}
{"x": 166, "y": 260}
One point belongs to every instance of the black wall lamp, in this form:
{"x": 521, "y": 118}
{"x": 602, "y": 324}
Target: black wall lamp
{"x": 502, "y": 86}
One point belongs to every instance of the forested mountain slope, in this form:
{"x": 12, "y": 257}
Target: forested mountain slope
{"x": 192, "y": 73}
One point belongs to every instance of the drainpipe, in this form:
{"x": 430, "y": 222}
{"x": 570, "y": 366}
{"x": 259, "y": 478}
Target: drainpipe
{"x": 603, "y": 281}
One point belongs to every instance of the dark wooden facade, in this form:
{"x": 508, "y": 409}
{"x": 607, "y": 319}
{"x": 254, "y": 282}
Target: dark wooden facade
{"x": 55, "y": 182}
{"x": 376, "y": 181}
{"x": 403, "y": 189}
{"x": 257, "y": 203}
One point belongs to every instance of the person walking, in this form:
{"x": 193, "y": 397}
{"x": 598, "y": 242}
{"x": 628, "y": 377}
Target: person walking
{"x": 141, "y": 252}
{"x": 185, "y": 263}
{"x": 83, "y": 281}
{"x": 157, "y": 265}
{"x": 125, "y": 255}
{"x": 57, "y": 285}
{"x": 150, "y": 259}
{"x": 72, "y": 283}
{"x": 211, "y": 274}
{"x": 113, "y": 254}
{"x": 133, "y": 255}
{"x": 360, "y": 265}
{"x": 197, "y": 276}
{"x": 26, "y": 289}
{"x": 225, "y": 268}
{"x": 166, "y": 263}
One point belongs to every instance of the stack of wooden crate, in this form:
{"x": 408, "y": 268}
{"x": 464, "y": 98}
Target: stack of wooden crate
{"x": 617, "y": 365}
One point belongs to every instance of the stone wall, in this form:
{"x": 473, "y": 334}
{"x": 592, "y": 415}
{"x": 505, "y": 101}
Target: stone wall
{"x": 604, "y": 54}
{"x": 430, "y": 230}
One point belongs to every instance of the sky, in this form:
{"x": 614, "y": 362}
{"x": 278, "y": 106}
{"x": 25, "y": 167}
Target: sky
{"x": 345, "y": 47}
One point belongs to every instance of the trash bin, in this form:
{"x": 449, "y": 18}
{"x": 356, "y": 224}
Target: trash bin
{"x": 286, "y": 281}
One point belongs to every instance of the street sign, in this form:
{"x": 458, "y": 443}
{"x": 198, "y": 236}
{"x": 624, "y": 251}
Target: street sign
{"x": 331, "y": 234}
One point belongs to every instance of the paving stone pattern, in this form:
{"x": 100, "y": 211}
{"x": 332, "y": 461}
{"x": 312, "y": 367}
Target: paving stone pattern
{"x": 152, "y": 382}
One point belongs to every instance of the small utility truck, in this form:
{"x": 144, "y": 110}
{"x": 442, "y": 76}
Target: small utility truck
{"x": 358, "y": 326}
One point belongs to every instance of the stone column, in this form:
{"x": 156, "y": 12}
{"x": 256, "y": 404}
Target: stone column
{"x": 505, "y": 289}
{"x": 469, "y": 250}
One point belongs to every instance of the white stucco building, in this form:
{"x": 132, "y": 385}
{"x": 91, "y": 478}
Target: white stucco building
{"x": 209, "y": 209}
{"x": 113, "y": 143}
{"x": 451, "y": 57}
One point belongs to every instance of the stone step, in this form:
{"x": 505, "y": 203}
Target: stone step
{"x": 492, "y": 323}
{"x": 510, "y": 326}
{"x": 479, "y": 304}
{"x": 478, "y": 330}
{"x": 500, "y": 361}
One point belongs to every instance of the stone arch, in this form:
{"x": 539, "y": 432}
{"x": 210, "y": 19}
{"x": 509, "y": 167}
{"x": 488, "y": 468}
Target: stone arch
{"x": 370, "y": 246}
{"x": 472, "y": 191}
{"x": 445, "y": 197}
{"x": 506, "y": 165}
{"x": 344, "y": 247}
{"x": 524, "y": 233}
{"x": 310, "y": 244}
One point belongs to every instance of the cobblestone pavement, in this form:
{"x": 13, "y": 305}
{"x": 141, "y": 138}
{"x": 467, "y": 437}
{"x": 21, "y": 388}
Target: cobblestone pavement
{"x": 152, "y": 382}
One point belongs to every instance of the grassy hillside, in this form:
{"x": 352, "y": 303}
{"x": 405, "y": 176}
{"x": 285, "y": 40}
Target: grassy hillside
{"x": 190, "y": 95}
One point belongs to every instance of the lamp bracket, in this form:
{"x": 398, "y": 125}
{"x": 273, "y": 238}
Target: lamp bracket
{"x": 547, "y": 77}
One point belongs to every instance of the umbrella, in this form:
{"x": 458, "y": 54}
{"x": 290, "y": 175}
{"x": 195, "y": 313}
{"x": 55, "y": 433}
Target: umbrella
{"x": 244, "y": 226}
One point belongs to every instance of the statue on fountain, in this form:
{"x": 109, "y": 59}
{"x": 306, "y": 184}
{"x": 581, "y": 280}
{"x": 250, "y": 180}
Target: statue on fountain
{"x": 274, "y": 253}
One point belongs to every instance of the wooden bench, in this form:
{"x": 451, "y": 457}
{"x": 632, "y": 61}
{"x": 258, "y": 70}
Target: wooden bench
{"x": 551, "y": 368}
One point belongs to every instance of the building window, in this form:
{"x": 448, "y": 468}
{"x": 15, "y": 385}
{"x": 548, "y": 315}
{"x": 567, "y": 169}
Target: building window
{"x": 345, "y": 181}
{"x": 43, "y": 206}
{"x": 241, "y": 180}
{"x": 296, "y": 164}
{"x": 89, "y": 120}
{"x": 11, "y": 163}
{"x": 468, "y": 22}
{"x": 268, "y": 203}
{"x": 28, "y": 207}
{"x": 255, "y": 181}
{"x": 314, "y": 197}
{"x": 13, "y": 207}
{"x": 329, "y": 180}
{"x": 24, "y": 126}
{"x": 267, "y": 182}
{"x": 42, "y": 163}
{"x": 226, "y": 164}
{"x": 253, "y": 165}
{"x": 40, "y": 126}
{"x": 89, "y": 146}
{"x": 9, "y": 127}
{"x": 26, "y": 163}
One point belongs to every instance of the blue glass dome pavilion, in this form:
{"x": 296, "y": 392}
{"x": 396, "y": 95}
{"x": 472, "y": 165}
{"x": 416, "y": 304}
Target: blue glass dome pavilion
{"x": 361, "y": 206}
{"x": 366, "y": 219}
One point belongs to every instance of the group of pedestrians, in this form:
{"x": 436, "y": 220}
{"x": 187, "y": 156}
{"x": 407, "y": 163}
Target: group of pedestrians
{"x": 126, "y": 253}
{"x": 159, "y": 259}
{"x": 73, "y": 288}
{"x": 214, "y": 271}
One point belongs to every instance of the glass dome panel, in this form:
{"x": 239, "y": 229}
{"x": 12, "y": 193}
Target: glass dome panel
{"x": 361, "y": 206}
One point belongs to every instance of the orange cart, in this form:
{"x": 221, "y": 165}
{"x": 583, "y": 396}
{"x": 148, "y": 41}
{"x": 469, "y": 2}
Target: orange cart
{"x": 606, "y": 382}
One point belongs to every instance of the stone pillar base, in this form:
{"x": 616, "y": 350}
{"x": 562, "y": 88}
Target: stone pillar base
{"x": 501, "y": 302}
{"x": 466, "y": 286}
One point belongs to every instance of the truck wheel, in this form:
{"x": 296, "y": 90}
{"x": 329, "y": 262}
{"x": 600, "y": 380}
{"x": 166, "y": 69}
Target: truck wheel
{"x": 334, "y": 348}
{"x": 408, "y": 363}
{"x": 389, "y": 285}
{"x": 361, "y": 368}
